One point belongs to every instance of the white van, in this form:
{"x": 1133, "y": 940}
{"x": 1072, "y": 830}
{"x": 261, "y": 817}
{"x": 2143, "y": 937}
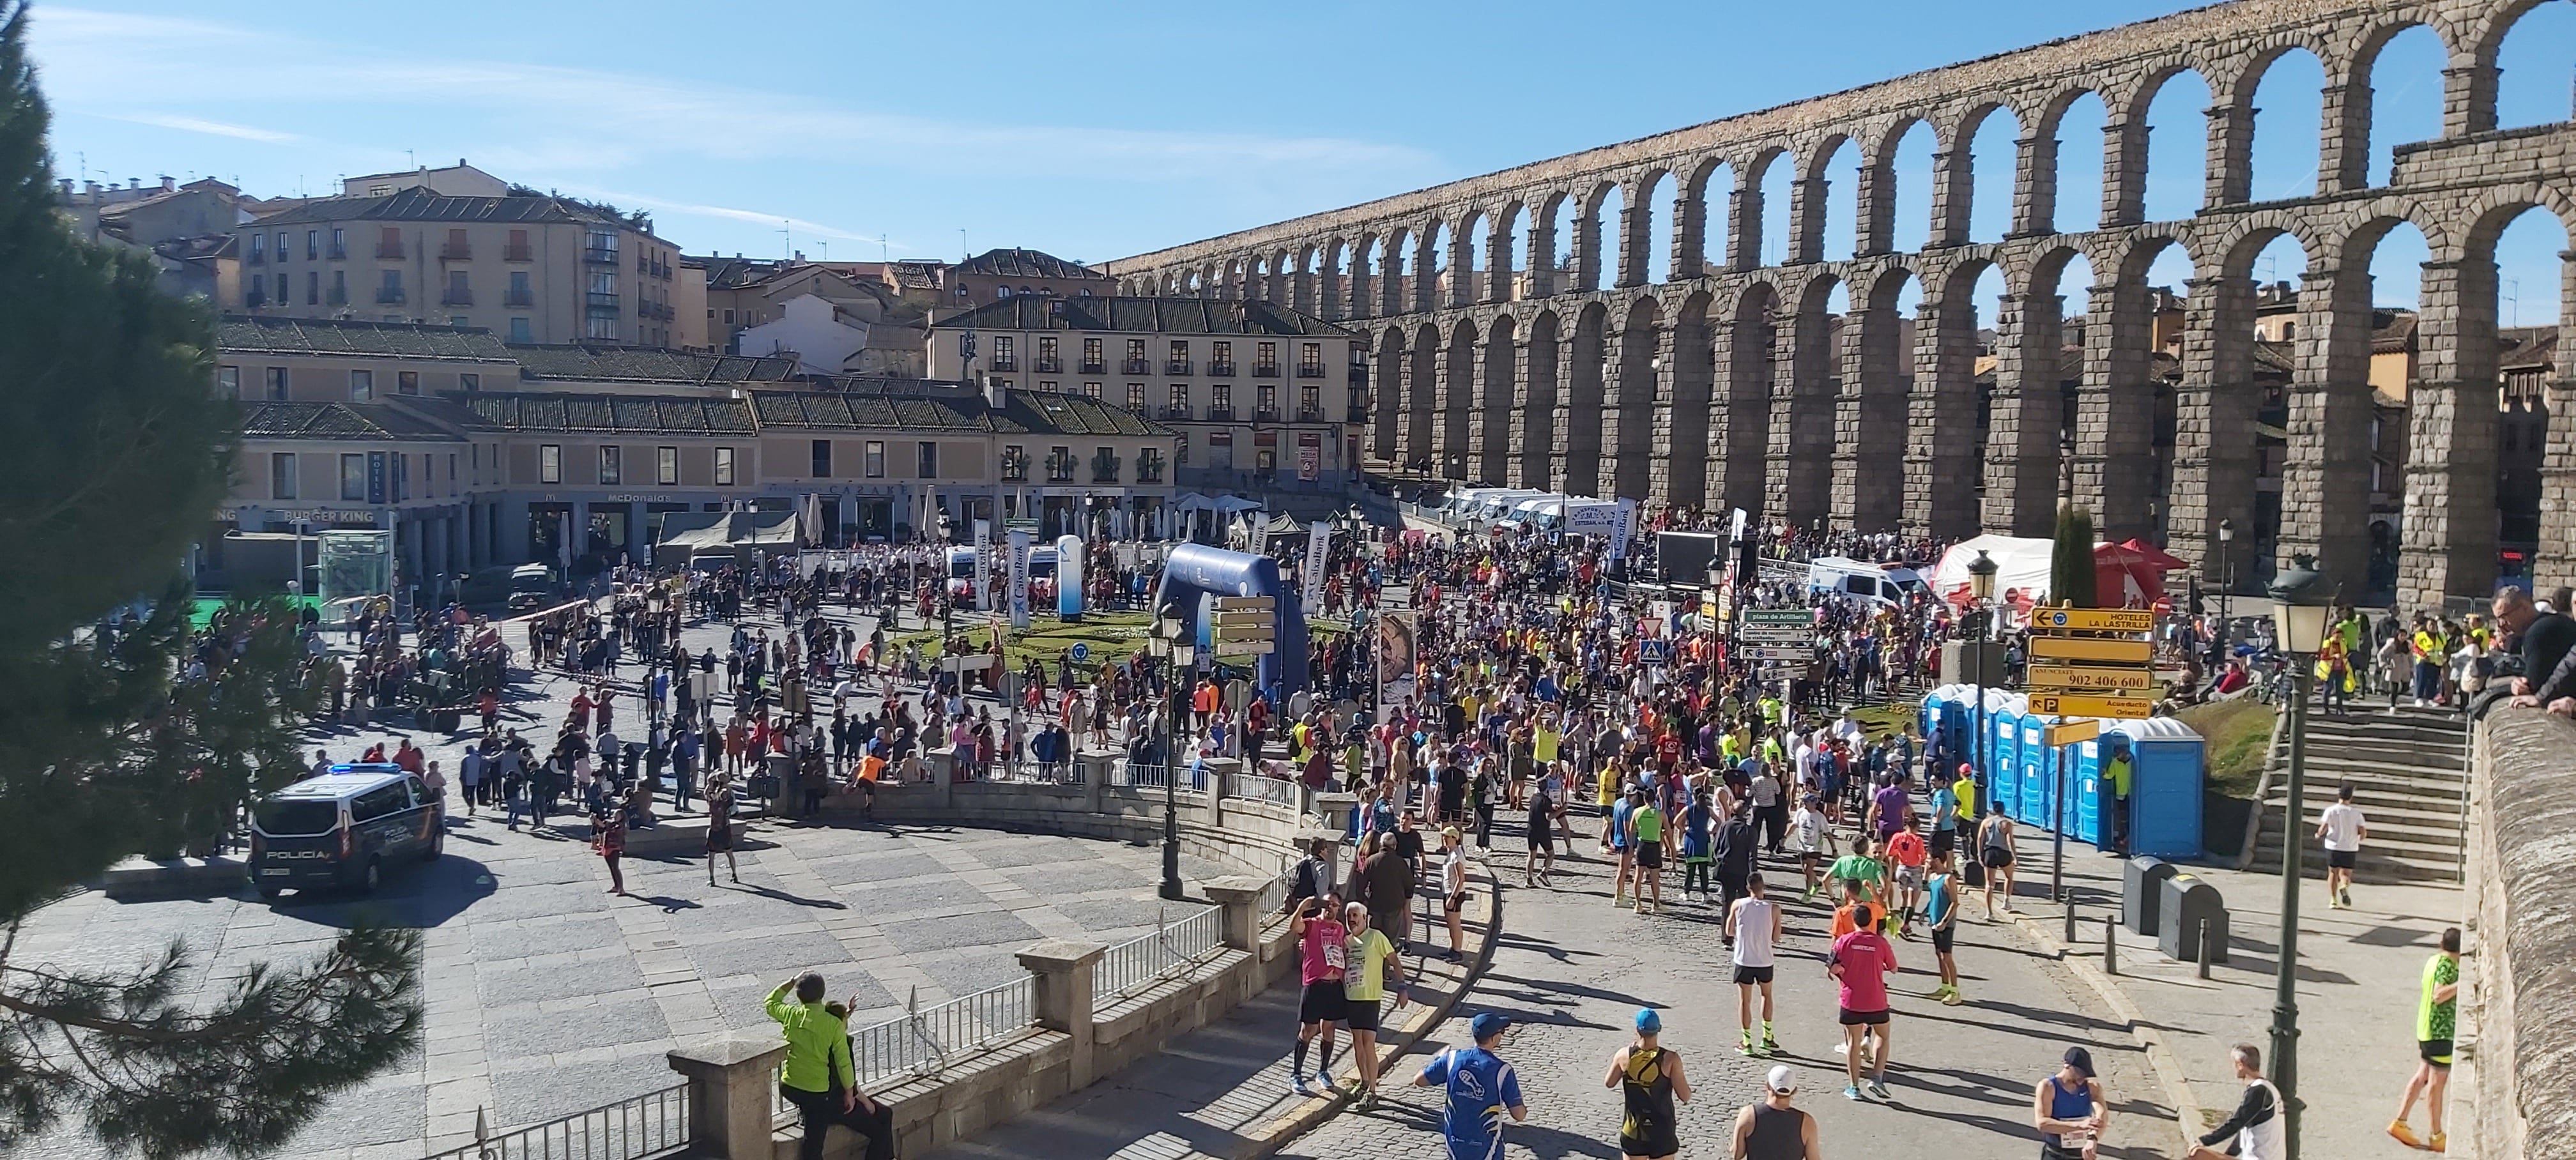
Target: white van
{"x": 1538, "y": 512}
{"x": 1863, "y": 581}
{"x": 1491, "y": 509}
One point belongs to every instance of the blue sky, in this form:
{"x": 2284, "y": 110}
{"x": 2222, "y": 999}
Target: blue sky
{"x": 1095, "y": 131}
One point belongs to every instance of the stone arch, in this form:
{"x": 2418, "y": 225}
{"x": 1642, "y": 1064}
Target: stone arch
{"x": 2124, "y": 162}
{"x": 1431, "y": 267}
{"x": 1496, "y": 375}
{"x": 1548, "y": 273}
{"x": 1694, "y": 220}
{"x": 1503, "y": 234}
{"x": 2351, "y": 112}
{"x": 1387, "y": 403}
{"x": 1874, "y": 203}
{"x": 1586, "y": 396}
{"x": 2470, "y": 92}
{"x": 1809, "y": 194}
{"x": 2035, "y": 190}
{"x": 1638, "y": 225}
{"x": 1538, "y": 403}
{"x": 1468, "y": 263}
{"x": 1797, "y": 485}
{"x": 2234, "y": 82}
{"x": 1395, "y": 268}
{"x": 1867, "y": 473}
{"x": 1954, "y": 180}
{"x": 1422, "y": 399}
{"x": 1457, "y": 400}
{"x": 1589, "y": 231}
{"x": 1745, "y": 222}
{"x": 1944, "y": 447}
{"x": 1640, "y": 365}
{"x": 1746, "y": 395}
{"x": 1684, "y": 451}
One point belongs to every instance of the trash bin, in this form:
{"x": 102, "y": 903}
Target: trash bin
{"x": 2184, "y": 902}
{"x": 2142, "y": 883}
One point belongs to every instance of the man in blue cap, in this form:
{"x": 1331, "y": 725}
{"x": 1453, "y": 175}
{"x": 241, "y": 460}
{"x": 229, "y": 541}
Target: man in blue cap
{"x": 1478, "y": 1088}
{"x": 1649, "y": 1079}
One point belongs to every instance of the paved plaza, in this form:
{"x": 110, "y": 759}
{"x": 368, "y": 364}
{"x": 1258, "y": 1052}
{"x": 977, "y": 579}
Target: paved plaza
{"x": 547, "y": 996}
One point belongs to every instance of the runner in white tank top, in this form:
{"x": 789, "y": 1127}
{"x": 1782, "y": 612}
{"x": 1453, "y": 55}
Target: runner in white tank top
{"x": 1754, "y": 921}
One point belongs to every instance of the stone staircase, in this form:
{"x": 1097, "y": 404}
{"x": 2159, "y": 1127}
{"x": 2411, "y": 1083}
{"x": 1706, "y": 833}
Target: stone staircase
{"x": 2408, "y": 778}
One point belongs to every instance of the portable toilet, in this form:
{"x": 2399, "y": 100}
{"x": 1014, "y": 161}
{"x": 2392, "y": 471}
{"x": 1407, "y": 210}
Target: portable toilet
{"x": 2165, "y": 787}
{"x": 1948, "y": 714}
{"x": 2092, "y": 794}
{"x": 2001, "y": 770}
{"x": 2032, "y": 765}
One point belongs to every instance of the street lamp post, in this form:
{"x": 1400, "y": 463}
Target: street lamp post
{"x": 2227, "y": 570}
{"x": 2302, "y": 599}
{"x": 1981, "y": 587}
{"x": 1177, "y": 658}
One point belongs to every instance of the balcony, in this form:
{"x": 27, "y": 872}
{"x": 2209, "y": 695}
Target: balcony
{"x": 599, "y": 255}
{"x": 1004, "y": 366}
{"x": 517, "y": 253}
{"x": 256, "y": 258}
{"x": 336, "y": 296}
{"x": 339, "y": 252}
{"x": 1093, "y": 368}
{"x": 1050, "y": 366}
{"x": 456, "y": 252}
{"x": 1222, "y": 370}
{"x": 1310, "y": 371}
{"x": 1099, "y": 476}
{"x": 1173, "y": 411}
{"x": 1358, "y": 413}
{"x": 1265, "y": 370}
{"x": 456, "y": 296}
{"x": 602, "y": 301}
{"x": 1220, "y": 414}
{"x": 1178, "y": 366}
{"x": 1359, "y": 375}
{"x": 392, "y": 249}
{"x": 1310, "y": 415}
{"x": 1266, "y": 415}
{"x": 389, "y": 295}
{"x": 519, "y": 298}
{"x": 1136, "y": 366}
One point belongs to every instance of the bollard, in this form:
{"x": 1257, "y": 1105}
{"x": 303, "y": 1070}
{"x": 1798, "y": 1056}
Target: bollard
{"x": 2110, "y": 945}
{"x": 2204, "y": 948}
{"x": 2070, "y": 924}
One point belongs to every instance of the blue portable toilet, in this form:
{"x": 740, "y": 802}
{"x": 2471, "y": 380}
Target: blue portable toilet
{"x": 2092, "y": 796}
{"x": 2032, "y": 765}
{"x": 2001, "y": 770}
{"x": 2165, "y": 788}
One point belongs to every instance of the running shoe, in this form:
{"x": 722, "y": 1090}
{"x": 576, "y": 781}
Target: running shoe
{"x": 1770, "y": 1046}
{"x": 1852, "y": 1094}
{"x": 1367, "y": 1100}
{"x": 2347, "y": 899}
{"x": 1297, "y": 1086}
{"x": 2405, "y": 1135}
{"x": 2440, "y": 1142}
{"x": 1877, "y": 1090}
{"x": 1952, "y": 999}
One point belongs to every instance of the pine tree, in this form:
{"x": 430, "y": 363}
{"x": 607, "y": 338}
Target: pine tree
{"x": 2070, "y": 559}
{"x": 138, "y": 740}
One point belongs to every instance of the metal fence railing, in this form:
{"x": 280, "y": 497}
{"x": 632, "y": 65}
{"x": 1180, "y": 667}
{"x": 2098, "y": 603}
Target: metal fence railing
{"x": 1148, "y": 959}
{"x": 1278, "y": 791}
{"x": 653, "y": 1124}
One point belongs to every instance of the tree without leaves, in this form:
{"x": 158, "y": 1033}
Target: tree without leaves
{"x": 110, "y": 744}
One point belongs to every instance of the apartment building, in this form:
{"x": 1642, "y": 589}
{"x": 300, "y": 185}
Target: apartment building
{"x": 837, "y": 317}
{"x": 1262, "y": 396}
{"x": 532, "y": 268}
{"x": 477, "y": 453}
{"x": 994, "y": 275}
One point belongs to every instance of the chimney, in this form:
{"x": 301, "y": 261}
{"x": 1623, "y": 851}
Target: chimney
{"x": 460, "y": 163}
{"x": 66, "y": 184}
{"x": 996, "y": 395}
{"x": 168, "y": 183}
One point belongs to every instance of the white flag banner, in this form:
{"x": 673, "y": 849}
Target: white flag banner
{"x": 1319, "y": 543}
{"x": 983, "y": 565}
{"x": 1019, "y": 577}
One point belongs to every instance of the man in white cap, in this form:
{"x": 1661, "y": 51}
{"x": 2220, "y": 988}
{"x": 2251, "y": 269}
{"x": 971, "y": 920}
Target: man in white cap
{"x": 1770, "y": 1129}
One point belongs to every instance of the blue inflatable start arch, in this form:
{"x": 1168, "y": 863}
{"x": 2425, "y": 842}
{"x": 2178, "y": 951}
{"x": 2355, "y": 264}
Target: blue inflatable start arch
{"x": 1196, "y": 575}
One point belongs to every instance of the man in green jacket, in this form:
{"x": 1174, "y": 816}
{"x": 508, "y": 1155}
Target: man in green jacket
{"x": 818, "y": 1077}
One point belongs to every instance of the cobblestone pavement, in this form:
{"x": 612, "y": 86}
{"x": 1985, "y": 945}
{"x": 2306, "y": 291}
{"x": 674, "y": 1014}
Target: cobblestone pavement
{"x": 1571, "y": 972}
{"x": 547, "y": 996}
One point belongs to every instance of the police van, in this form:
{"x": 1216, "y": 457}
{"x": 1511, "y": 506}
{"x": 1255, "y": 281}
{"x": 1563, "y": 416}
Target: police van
{"x": 343, "y": 828}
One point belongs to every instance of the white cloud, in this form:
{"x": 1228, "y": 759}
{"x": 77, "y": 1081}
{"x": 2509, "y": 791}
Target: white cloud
{"x": 762, "y": 218}
{"x": 140, "y": 67}
{"x": 212, "y": 128}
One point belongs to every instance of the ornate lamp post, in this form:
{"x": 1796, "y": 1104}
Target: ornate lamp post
{"x": 2302, "y": 600}
{"x": 1177, "y": 659}
{"x": 1981, "y": 587}
{"x": 2227, "y": 569}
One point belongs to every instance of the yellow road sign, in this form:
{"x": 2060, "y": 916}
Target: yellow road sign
{"x": 2072, "y": 732}
{"x": 1244, "y": 604}
{"x": 1227, "y": 621}
{"x": 2135, "y": 652}
{"x": 2080, "y": 678}
{"x": 2061, "y": 705}
{"x": 2093, "y": 619}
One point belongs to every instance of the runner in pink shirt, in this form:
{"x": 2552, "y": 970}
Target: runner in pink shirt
{"x": 1861, "y": 962}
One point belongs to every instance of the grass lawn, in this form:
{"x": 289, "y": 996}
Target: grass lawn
{"x": 2236, "y": 734}
{"x": 1883, "y": 721}
{"x": 1107, "y": 634}
{"x": 202, "y": 611}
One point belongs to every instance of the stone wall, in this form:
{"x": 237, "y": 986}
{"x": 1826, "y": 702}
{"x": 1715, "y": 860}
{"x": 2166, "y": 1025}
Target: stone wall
{"x": 1610, "y": 382}
{"x": 2515, "y": 1081}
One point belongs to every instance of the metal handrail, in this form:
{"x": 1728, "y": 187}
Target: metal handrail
{"x": 652, "y": 1124}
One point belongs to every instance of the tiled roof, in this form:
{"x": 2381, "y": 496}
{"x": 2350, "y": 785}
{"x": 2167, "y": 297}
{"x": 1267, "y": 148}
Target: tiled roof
{"x": 1027, "y": 264}
{"x": 357, "y": 421}
{"x": 648, "y": 364}
{"x": 1143, "y": 315}
{"x": 1023, "y": 413}
{"x": 418, "y": 204}
{"x": 2395, "y": 333}
{"x": 2527, "y": 348}
{"x": 334, "y": 336}
{"x": 610, "y": 414}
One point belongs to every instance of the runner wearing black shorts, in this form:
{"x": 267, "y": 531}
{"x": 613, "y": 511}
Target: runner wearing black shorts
{"x": 1542, "y": 840}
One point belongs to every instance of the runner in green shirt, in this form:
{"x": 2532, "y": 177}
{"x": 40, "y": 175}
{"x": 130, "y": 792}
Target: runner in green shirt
{"x": 2437, "y": 1014}
{"x": 1646, "y": 840}
{"x": 1868, "y": 873}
